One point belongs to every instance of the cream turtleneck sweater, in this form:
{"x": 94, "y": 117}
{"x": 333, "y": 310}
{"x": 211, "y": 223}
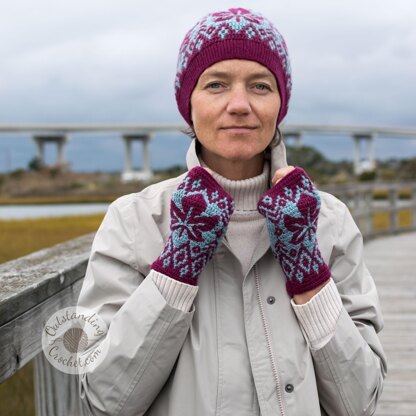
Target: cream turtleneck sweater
{"x": 246, "y": 222}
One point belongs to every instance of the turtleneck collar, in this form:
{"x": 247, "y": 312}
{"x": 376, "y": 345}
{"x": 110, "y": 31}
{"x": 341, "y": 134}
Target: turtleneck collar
{"x": 276, "y": 156}
{"x": 245, "y": 192}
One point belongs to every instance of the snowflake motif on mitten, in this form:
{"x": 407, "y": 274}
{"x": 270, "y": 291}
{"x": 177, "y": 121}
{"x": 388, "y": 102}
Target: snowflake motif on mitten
{"x": 291, "y": 208}
{"x": 200, "y": 212}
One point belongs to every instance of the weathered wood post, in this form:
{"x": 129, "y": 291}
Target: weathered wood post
{"x": 369, "y": 212}
{"x": 56, "y": 393}
{"x": 413, "y": 190}
{"x": 393, "y": 223}
{"x": 357, "y": 198}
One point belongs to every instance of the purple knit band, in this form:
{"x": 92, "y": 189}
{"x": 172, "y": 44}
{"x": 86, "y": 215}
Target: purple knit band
{"x": 231, "y": 34}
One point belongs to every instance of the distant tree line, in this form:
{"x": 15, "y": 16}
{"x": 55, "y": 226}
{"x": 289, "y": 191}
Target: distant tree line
{"x": 321, "y": 169}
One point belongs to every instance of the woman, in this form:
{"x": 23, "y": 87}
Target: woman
{"x": 217, "y": 296}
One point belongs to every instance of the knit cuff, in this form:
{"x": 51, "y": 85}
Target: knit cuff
{"x": 318, "y": 317}
{"x": 177, "y": 294}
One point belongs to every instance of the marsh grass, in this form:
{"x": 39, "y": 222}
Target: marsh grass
{"x": 405, "y": 218}
{"x": 63, "y": 199}
{"x": 20, "y": 237}
{"x": 17, "y": 393}
{"x": 405, "y": 193}
{"x": 381, "y": 220}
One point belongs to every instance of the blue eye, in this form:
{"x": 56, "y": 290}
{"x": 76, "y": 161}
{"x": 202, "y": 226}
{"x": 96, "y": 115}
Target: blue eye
{"x": 263, "y": 87}
{"x": 214, "y": 85}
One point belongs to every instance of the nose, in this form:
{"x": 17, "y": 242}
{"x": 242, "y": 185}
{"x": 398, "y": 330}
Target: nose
{"x": 238, "y": 101}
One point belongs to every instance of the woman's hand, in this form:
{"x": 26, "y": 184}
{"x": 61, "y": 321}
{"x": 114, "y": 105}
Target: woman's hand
{"x": 291, "y": 208}
{"x": 281, "y": 173}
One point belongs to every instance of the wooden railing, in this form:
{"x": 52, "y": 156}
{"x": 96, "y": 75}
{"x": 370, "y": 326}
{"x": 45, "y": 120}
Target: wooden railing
{"x": 379, "y": 208}
{"x": 34, "y": 287}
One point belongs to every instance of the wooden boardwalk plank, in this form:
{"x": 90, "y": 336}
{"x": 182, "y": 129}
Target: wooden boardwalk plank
{"x": 392, "y": 262}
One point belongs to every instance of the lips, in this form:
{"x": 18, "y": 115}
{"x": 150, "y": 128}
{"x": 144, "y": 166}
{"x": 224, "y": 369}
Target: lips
{"x": 239, "y": 129}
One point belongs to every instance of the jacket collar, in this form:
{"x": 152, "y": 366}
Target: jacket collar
{"x": 277, "y": 157}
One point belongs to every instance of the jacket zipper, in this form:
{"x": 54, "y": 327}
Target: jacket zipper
{"x": 269, "y": 344}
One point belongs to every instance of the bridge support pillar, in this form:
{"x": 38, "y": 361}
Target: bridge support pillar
{"x": 129, "y": 174}
{"x": 367, "y": 163}
{"x": 60, "y": 140}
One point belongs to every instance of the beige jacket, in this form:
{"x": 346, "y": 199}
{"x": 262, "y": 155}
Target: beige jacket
{"x": 233, "y": 353}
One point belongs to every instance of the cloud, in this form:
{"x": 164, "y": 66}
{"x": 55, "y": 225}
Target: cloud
{"x": 117, "y": 60}
{"x": 105, "y": 61}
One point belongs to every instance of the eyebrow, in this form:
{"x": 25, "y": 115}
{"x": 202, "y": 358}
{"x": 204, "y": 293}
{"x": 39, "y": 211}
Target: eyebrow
{"x": 222, "y": 74}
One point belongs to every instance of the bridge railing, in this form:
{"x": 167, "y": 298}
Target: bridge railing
{"x": 35, "y": 286}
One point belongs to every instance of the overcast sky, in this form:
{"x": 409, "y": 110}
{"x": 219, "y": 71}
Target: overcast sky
{"x": 353, "y": 62}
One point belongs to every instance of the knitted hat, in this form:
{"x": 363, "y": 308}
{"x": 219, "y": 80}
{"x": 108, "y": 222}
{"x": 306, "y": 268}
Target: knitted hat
{"x": 231, "y": 34}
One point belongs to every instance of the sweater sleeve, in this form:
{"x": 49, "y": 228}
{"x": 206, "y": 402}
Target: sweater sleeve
{"x": 319, "y": 316}
{"x": 145, "y": 333}
{"x": 179, "y": 295}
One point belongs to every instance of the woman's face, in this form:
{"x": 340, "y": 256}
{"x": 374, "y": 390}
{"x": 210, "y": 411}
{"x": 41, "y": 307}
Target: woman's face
{"x": 234, "y": 109}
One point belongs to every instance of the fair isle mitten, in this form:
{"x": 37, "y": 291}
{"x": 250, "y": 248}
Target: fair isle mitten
{"x": 200, "y": 212}
{"x": 291, "y": 208}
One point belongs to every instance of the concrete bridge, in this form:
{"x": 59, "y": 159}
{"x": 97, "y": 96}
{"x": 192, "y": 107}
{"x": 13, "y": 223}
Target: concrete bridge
{"x": 363, "y": 137}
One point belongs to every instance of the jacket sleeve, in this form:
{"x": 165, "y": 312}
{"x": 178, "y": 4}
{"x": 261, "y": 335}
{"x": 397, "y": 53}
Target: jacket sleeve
{"x": 351, "y": 367}
{"x": 145, "y": 333}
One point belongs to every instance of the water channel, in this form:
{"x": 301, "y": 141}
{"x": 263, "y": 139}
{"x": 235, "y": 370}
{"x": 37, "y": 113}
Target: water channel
{"x": 18, "y": 212}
